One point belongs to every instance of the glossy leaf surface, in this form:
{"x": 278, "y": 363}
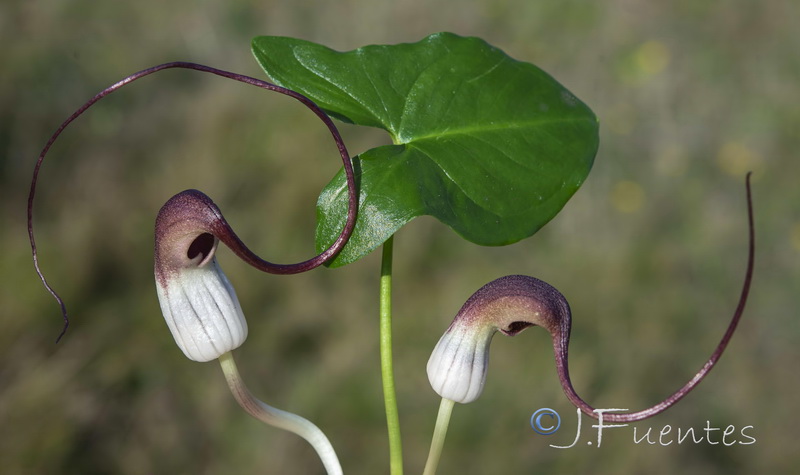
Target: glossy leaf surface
{"x": 491, "y": 146}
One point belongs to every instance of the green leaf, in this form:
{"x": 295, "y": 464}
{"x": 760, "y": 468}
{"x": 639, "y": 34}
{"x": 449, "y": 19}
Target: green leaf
{"x": 491, "y": 146}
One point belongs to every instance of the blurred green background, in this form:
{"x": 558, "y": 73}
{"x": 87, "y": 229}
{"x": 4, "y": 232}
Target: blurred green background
{"x": 650, "y": 252}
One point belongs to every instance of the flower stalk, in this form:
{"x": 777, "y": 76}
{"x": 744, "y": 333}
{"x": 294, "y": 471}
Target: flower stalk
{"x": 278, "y": 418}
{"x": 439, "y": 434}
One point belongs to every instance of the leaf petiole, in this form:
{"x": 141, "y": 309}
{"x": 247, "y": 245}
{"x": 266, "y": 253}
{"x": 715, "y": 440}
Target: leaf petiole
{"x": 387, "y": 370}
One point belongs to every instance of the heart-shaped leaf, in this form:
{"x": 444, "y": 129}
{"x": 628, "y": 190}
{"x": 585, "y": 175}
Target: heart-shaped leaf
{"x": 491, "y": 146}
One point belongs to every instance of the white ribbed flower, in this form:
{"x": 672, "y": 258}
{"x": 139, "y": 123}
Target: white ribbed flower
{"x": 197, "y": 299}
{"x": 201, "y": 308}
{"x": 458, "y": 365}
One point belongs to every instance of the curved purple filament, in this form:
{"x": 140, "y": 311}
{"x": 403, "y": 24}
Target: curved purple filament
{"x": 560, "y": 336}
{"x": 243, "y": 252}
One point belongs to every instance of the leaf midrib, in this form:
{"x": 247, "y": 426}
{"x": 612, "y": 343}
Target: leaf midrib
{"x": 476, "y": 130}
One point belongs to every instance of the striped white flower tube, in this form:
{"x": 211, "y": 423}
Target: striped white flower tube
{"x": 458, "y": 365}
{"x": 197, "y": 299}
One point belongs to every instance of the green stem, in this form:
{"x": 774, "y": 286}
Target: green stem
{"x": 387, "y": 370}
{"x": 439, "y": 433}
{"x": 278, "y": 418}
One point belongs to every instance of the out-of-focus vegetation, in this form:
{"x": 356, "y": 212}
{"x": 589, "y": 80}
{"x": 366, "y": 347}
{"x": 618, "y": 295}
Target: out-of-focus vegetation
{"x": 650, "y": 252}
